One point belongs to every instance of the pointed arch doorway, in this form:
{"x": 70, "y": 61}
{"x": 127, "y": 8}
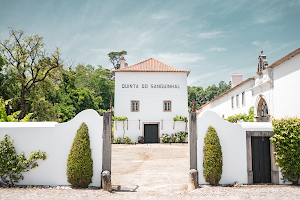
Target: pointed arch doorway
{"x": 262, "y": 111}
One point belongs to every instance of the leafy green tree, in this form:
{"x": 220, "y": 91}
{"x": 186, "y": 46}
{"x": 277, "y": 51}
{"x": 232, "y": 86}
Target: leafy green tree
{"x": 71, "y": 99}
{"x": 114, "y": 58}
{"x": 12, "y": 165}
{"x": 98, "y": 80}
{"x": 28, "y": 59}
{"x": 14, "y": 116}
{"x": 202, "y": 96}
{"x": 287, "y": 142}
{"x": 212, "y": 161}
{"x": 80, "y": 163}
{"x": 6, "y": 82}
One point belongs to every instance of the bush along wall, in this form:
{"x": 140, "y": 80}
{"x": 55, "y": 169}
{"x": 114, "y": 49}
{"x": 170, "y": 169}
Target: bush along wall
{"x": 174, "y": 138}
{"x": 287, "y": 142}
{"x": 212, "y": 162}
{"x": 80, "y": 163}
{"x": 12, "y": 165}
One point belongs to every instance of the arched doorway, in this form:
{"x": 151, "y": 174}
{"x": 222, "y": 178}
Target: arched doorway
{"x": 262, "y": 111}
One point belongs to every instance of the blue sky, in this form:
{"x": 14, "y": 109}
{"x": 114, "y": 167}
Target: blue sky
{"x": 211, "y": 38}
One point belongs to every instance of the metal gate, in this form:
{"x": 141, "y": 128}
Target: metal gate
{"x": 261, "y": 159}
{"x": 151, "y": 133}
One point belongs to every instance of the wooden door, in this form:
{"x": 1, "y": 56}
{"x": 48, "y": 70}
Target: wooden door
{"x": 261, "y": 159}
{"x": 151, "y": 133}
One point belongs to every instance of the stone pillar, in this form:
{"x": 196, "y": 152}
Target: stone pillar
{"x": 106, "y": 151}
{"x": 193, "y": 173}
{"x": 193, "y": 180}
{"x": 193, "y": 140}
{"x": 106, "y": 181}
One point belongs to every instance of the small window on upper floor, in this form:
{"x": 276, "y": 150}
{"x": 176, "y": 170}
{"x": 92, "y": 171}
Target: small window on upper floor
{"x": 167, "y": 106}
{"x": 232, "y": 104}
{"x": 237, "y": 101}
{"x": 135, "y": 106}
{"x": 243, "y": 99}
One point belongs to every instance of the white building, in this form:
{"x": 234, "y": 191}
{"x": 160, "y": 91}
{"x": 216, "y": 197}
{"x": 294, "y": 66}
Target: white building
{"x": 150, "y": 94}
{"x": 272, "y": 91}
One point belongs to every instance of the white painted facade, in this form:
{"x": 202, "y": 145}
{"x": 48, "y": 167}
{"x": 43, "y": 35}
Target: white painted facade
{"x": 150, "y": 89}
{"x": 276, "y": 84}
{"x": 56, "y": 140}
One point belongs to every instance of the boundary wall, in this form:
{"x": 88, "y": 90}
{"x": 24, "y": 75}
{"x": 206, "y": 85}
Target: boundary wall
{"x": 56, "y": 140}
{"x": 235, "y": 151}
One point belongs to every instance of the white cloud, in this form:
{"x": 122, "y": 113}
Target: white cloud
{"x": 174, "y": 59}
{"x": 160, "y": 15}
{"x": 265, "y": 17}
{"x": 212, "y": 34}
{"x": 198, "y": 80}
{"x": 255, "y": 43}
{"x": 217, "y": 49}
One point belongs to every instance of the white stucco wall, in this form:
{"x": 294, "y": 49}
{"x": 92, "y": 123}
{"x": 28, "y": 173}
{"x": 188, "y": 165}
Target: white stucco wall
{"x": 151, "y": 101}
{"x": 286, "y": 88}
{"x": 233, "y": 143}
{"x": 56, "y": 140}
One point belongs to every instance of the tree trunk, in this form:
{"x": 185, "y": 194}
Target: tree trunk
{"x": 22, "y": 102}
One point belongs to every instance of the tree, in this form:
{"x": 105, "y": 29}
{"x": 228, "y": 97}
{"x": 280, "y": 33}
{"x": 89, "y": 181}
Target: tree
{"x": 287, "y": 142}
{"x": 202, "y": 96}
{"x": 71, "y": 99}
{"x": 97, "y": 80}
{"x": 14, "y": 116}
{"x": 114, "y": 58}
{"x": 212, "y": 161}
{"x": 30, "y": 62}
{"x": 80, "y": 163}
{"x": 12, "y": 165}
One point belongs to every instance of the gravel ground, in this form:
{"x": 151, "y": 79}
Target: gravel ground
{"x": 154, "y": 171}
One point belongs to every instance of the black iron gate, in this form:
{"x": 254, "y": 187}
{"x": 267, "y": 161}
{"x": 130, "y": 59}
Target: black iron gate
{"x": 261, "y": 159}
{"x": 151, "y": 133}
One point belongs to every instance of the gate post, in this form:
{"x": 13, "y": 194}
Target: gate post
{"x": 106, "y": 150}
{"x": 193, "y": 173}
{"x": 193, "y": 140}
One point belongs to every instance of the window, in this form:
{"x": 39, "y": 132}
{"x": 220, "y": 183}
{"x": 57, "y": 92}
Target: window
{"x": 243, "y": 98}
{"x": 167, "y": 106}
{"x": 232, "y": 105}
{"x": 135, "y": 106}
{"x": 237, "y": 101}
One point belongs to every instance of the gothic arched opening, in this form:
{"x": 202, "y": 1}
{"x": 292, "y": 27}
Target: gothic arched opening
{"x": 262, "y": 111}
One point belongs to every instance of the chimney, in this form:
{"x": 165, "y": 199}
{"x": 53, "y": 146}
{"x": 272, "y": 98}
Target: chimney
{"x": 122, "y": 62}
{"x": 236, "y": 79}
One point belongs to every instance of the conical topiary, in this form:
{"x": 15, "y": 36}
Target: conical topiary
{"x": 80, "y": 163}
{"x": 212, "y": 162}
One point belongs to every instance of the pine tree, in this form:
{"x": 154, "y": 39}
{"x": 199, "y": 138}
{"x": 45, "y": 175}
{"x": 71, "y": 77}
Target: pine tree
{"x": 212, "y": 162}
{"x": 80, "y": 163}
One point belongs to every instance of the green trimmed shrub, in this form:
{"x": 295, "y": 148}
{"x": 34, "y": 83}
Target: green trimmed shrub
{"x": 287, "y": 142}
{"x": 12, "y": 165}
{"x": 212, "y": 162}
{"x": 80, "y": 163}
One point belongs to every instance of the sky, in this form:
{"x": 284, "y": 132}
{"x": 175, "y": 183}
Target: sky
{"x": 212, "y": 39}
